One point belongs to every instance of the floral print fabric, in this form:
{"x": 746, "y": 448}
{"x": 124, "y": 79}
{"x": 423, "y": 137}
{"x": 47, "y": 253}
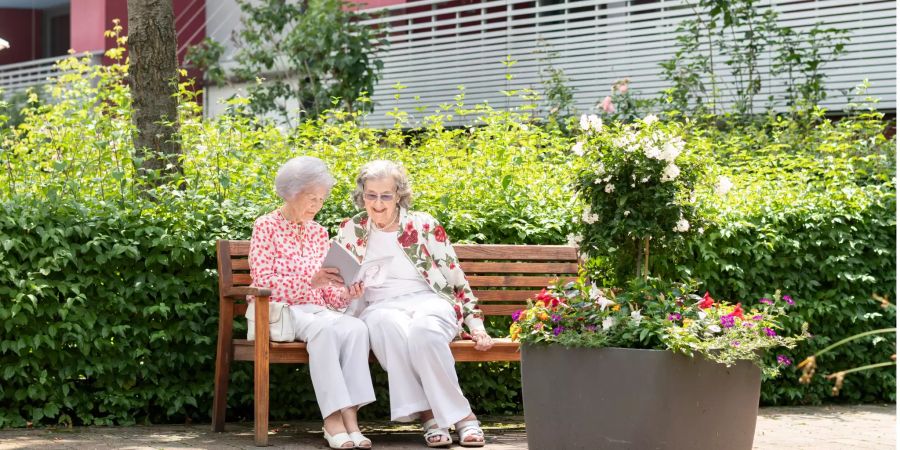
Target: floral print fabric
{"x": 284, "y": 256}
{"x": 425, "y": 242}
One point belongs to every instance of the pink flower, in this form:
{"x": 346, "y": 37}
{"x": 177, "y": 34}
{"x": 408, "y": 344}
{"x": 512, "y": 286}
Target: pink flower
{"x": 607, "y": 105}
{"x": 623, "y": 86}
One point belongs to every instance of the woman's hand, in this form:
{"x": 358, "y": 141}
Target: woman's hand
{"x": 325, "y": 277}
{"x": 355, "y": 291}
{"x": 482, "y": 340}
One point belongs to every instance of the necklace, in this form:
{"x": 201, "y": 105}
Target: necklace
{"x": 377, "y": 228}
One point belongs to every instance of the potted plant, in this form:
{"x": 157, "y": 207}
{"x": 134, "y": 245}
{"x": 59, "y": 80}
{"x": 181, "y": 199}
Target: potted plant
{"x": 643, "y": 362}
{"x": 650, "y": 366}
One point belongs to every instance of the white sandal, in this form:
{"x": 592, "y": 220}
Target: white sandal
{"x": 430, "y": 432}
{"x": 469, "y": 429}
{"x": 358, "y": 440}
{"x": 339, "y": 440}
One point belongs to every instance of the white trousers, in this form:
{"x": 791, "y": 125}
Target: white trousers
{"x": 411, "y": 337}
{"x": 338, "y": 347}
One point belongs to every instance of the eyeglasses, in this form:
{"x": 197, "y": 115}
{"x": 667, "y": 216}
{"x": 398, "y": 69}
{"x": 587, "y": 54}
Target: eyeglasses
{"x": 372, "y": 197}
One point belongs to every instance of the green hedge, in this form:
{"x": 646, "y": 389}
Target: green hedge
{"x": 110, "y": 317}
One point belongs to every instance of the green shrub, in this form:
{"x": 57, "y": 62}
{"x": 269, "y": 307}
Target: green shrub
{"x": 813, "y": 213}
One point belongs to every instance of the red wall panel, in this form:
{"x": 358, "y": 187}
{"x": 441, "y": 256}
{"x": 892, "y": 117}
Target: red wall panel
{"x": 22, "y": 28}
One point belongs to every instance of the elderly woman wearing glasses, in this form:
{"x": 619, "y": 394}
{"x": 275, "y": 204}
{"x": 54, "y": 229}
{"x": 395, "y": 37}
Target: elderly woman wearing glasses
{"x": 287, "y": 249}
{"x": 420, "y": 307}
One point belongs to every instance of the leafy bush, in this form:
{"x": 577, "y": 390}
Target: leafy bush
{"x": 812, "y": 212}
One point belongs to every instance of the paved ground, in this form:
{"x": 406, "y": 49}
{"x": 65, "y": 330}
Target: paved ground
{"x": 819, "y": 428}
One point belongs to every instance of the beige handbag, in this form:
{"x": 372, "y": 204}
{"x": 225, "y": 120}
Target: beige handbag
{"x": 281, "y": 327}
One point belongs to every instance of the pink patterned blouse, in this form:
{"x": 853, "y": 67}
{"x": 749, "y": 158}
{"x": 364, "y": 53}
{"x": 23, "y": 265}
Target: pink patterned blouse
{"x": 284, "y": 256}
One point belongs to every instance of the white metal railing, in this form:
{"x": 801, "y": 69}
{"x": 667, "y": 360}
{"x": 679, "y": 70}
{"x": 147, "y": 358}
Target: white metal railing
{"x": 23, "y": 75}
{"x": 435, "y": 47}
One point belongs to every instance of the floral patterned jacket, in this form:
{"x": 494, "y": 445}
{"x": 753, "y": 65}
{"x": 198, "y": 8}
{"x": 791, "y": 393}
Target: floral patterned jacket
{"x": 425, "y": 242}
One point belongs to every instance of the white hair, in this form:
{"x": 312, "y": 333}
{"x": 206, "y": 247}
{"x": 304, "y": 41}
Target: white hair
{"x": 377, "y": 170}
{"x": 299, "y": 174}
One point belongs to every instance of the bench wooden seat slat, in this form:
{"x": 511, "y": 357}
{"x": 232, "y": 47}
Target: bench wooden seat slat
{"x": 517, "y": 295}
{"x": 482, "y": 268}
{"x": 295, "y": 352}
{"x": 512, "y": 281}
{"x": 493, "y": 252}
{"x": 503, "y": 277}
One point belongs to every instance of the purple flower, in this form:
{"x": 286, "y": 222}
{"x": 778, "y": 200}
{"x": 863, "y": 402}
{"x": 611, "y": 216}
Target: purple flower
{"x": 757, "y": 317}
{"x": 558, "y": 330}
{"x": 770, "y": 332}
{"x": 555, "y": 317}
{"x": 727, "y": 321}
{"x": 748, "y": 324}
{"x": 766, "y": 301}
{"x": 788, "y": 299}
{"x": 516, "y": 315}
{"x": 674, "y": 317}
{"x": 784, "y": 360}
{"x": 591, "y": 328}
{"x": 736, "y": 343}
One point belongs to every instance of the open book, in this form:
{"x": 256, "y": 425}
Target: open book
{"x": 372, "y": 272}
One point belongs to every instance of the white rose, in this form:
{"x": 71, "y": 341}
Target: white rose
{"x": 723, "y": 185}
{"x": 609, "y": 188}
{"x": 578, "y": 149}
{"x": 589, "y": 218}
{"x": 574, "y": 240}
{"x": 669, "y": 152}
{"x": 626, "y": 213}
{"x": 652, "y": 152}
{"x": 670, "y": 172}
{"x": 682, "y": 225}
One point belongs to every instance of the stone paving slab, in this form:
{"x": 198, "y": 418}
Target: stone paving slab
{"x": 819, "y": 428}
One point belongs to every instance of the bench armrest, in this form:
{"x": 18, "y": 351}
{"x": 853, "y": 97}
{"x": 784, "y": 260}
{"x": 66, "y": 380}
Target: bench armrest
{"x": 241, "y": 291}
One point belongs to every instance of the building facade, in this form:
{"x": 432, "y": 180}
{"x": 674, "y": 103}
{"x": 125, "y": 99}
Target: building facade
{"x": 437, "y": 46}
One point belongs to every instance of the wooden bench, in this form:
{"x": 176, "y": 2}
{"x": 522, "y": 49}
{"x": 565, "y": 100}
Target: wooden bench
{"x": 503, "y": 277}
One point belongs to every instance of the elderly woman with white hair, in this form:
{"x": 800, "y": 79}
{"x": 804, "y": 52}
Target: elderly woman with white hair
{"x": 420, "y": 307}
{"x": 286, "y": 254}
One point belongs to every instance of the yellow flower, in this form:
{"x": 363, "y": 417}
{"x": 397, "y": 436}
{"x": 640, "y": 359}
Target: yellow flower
{"x": 529, "y": 314}
{"x": 543, "y": 316}
{"x": 539, "y": 304}
{"x": 616, "y": 307}
{"x": 687, "y": 323}
{"x": 514, "y": 331}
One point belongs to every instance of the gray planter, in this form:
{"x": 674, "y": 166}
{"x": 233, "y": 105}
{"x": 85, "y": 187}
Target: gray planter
{"x": 641, "y": 399}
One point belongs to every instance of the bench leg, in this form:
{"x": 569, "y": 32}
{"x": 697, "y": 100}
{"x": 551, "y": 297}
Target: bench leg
{"x": 223, "y": 365}
{"x": 220, "y": 394}
{"x": 261, "y": 400}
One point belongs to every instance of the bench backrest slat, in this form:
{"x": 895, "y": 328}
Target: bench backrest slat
{"x": 503, "y": 277}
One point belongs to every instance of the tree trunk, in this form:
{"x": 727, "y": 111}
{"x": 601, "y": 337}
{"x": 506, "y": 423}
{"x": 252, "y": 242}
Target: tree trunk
{"x": 154, "y": 81}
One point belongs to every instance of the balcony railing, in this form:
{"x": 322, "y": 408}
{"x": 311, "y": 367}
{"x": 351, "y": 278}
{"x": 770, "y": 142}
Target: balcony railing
{"x": 20, "y": 76}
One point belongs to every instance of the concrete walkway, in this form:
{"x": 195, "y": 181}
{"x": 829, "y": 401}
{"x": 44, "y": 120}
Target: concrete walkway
{"x": 819, "y": 428}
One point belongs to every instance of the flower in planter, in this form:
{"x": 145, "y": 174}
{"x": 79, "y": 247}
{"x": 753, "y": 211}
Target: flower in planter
{"x": 655, "y": 314}
{"x": 638, "y": 178}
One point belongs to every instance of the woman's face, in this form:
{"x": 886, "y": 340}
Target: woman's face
{"x": 381, "y": 199}
{"x": 307, "y": 203}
